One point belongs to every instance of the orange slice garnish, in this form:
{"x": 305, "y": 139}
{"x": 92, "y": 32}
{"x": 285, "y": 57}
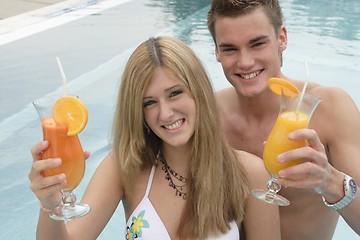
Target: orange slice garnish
{"x": 282, "y": 86}
{"x": 72, "y": 111}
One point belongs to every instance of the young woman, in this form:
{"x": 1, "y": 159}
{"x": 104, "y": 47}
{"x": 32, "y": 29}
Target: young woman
{"x": 170, "y": 165}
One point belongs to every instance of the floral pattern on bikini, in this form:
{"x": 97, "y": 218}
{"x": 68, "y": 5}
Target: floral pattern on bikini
{"x": 135, "y": 229}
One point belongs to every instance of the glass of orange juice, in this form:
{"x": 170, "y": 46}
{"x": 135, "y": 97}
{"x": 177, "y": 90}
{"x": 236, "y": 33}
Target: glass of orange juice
{"x": 295, "y": 113}
{"x": 62, "y": 118}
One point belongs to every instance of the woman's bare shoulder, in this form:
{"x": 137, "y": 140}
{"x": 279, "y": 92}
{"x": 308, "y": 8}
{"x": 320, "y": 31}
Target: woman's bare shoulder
{"x": 109, "y": 167}
{"x": 255, "y": 169}
{"x": 252, "y": 163}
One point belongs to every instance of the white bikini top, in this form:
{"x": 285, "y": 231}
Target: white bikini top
{"x": 144, "y": 223}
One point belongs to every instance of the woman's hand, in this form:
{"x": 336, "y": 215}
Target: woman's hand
{"x": 46, "y": 189}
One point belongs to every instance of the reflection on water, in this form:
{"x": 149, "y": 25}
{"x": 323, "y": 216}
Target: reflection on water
{"x": 325, "y": 29}
{"x": 185, "y": 15}
{"x": 177, "y": 10}
{"x": 338, "y": 18}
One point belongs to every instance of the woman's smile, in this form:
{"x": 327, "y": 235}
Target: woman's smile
{"x": 175, "y": 125}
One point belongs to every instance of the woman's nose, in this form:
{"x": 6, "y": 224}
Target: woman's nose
{"x": 166, "y": 111}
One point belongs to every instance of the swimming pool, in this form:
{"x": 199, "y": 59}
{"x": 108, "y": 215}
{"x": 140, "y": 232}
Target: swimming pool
{"x": 93, "y": 50}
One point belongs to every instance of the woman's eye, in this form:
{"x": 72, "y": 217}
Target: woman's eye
{"x": 148, "y": 103}
{"x": 175, "y": 93}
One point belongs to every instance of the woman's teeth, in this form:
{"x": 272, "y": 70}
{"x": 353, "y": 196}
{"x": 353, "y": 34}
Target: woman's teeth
{"x": 175, "y": 125}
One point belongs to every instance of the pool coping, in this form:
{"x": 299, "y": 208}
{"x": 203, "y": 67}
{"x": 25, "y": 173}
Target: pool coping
{"x": 43, "y": 18}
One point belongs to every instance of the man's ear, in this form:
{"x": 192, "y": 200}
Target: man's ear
{"x": 282, "y": 38}
{"x": 217, "y": 54}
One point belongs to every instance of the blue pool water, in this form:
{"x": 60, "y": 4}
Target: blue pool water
{"x": 93, "y": 50}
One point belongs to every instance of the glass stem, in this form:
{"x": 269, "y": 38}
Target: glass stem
{"x": 68, "y": 198}
{"x": 273, "y": 188}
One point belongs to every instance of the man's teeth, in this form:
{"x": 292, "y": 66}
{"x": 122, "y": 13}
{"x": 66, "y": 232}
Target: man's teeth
{"x": 251, "y": 75}
{"x": 177, "y": 124}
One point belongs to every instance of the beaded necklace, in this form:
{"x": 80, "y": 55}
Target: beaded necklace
{"x": 169, "y": 173}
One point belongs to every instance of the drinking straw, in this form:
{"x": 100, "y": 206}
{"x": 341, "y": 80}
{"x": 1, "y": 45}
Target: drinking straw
{"x": 304, "y": 88}
{"x": 63, "y": 77}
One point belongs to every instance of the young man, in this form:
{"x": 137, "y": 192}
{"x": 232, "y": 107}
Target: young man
{"x": 250, "y": 37}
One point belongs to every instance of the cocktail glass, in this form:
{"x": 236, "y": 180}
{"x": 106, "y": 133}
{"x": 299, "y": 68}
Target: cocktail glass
{"x": 295, "y": 113}
{"x": 69, "y": 149}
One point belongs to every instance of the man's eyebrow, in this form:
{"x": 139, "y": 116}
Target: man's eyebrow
{"x": 252, "y": 41}
{"x": 226, "y": 45}
{"x": 262, "y": 37}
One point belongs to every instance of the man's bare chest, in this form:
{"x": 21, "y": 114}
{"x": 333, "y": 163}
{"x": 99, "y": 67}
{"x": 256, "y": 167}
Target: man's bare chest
{"x": 246, "y": 139}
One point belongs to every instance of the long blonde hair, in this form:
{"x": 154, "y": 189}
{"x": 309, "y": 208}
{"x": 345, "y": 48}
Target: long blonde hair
{"x": 218, "y": 184}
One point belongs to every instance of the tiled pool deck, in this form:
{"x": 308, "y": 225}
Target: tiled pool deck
{"x": 10, "y": 8}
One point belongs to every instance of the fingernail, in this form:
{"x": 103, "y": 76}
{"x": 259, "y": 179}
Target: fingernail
{"x": 43, "y": 143}
{"x": 280, "y": 158}
{"x": 57, "y": 161}
{"x": 291, "y": 135}
{"x": 281, "y": 173}
{"x": 62, "y": 177}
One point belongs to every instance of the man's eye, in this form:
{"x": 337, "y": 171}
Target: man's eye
{"x": 228, "y": 49}
{"x": 258, "y": 44}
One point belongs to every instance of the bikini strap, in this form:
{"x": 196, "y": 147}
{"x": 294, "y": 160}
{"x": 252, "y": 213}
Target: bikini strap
{"x": 150, "y": 180}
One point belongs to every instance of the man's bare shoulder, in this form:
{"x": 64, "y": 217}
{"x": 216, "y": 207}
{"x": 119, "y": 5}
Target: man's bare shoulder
{"x": 328, "y": 93}
{"x": 332, "y": 98}
{"x": 334, "y": 101}
{"x": 333, "y": 113}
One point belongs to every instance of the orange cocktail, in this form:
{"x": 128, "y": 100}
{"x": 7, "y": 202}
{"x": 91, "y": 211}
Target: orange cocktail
{"x": 278, "y": 141}
{"x": 62, "y": 119}
{"x": 68, "y": 148}
{"x": 295, "y": 113}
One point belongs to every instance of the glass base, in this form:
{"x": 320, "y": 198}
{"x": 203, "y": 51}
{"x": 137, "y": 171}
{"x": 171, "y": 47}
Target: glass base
{"x": 69, "y": 212}
{"x": 270, "y": 197}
